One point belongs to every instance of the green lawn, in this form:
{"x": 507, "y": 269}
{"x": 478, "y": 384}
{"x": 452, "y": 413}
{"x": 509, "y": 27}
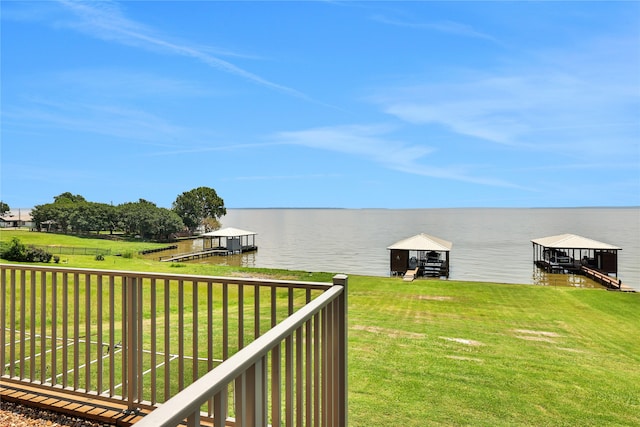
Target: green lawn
{"x": 452, "y": 353}
{"x": 434, "y": 352}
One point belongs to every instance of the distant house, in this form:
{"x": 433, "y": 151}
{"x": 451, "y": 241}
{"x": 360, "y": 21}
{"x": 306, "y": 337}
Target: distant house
{"x": 17, "y": 219}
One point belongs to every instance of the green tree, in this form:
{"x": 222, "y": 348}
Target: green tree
{"x": 67, "y": 197}
{"x": 41, "y": 214}
{"x": 198, "y": 205}
{"x": 66, "y": 211}
{"x": 145, "y": 219}
{"x": 4, "y": 208}
{"x": 165, "y": 223}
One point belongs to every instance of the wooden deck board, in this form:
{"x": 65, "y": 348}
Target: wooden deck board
{"x": 58, "y": 400}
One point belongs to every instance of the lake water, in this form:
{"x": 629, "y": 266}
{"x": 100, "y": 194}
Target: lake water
{"x": 488, "y": 244}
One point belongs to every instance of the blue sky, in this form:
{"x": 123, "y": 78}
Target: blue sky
{"x": 322, "y": 104}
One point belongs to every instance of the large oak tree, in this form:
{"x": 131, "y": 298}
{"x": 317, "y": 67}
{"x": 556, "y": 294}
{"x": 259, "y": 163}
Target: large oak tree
{"x": 198, "y": 206}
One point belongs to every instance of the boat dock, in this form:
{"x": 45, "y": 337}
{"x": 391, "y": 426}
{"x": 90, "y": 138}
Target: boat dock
{"x": 196, "y": 255}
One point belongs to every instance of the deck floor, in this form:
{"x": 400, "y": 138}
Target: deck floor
{"x": 85, "y": 407}
{"x": 59, "y": 401}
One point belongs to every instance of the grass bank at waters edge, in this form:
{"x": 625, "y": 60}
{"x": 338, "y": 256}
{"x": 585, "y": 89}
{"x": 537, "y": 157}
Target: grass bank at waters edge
{"x": 454, "y": 353}
{"x": 434, "y": 352}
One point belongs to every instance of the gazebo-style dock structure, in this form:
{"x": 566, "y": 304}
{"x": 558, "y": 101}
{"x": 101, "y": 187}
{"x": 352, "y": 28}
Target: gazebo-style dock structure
{"x": 232, "y": 240}
{"x": 420, "y": 255}
{"x": 568, "y": 253}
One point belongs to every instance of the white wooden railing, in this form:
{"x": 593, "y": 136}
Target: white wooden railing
{"x": 217, "y": 350}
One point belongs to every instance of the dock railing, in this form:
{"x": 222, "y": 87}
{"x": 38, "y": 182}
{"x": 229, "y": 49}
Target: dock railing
{"x": 215, "y": 350}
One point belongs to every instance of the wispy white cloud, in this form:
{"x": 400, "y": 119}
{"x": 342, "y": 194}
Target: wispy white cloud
{"x": 367, "y": 141}
{"x": 105, "y": 20}
{"x": 209, "y": 148}
{"x": 109, "y": 82}
{"x": 445, "y": 26}
{"x": 374, "y": 143}
{"x": 284, "y": 177}
{"x": 566, "y": 102}
{"x": 120, "y": 122}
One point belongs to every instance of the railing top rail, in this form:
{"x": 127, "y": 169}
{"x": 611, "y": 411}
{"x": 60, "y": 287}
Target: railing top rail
{"x": 192, "y": 397}
{"x": 171, "y": 276}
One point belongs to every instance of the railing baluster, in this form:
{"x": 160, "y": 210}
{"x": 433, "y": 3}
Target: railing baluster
{"x": 124, "y": 360}
{"x": 131, "y": 342}
{"x": 32, "y": 326}
{"x": 343, "y": 337}
{"x": 335, "y": 393}
{"x": 99, "y": 337}
{"x": 12, "y": 323}
{"x": 76, "y": 330}
{"x": 308, "y": 365}
{"x": 210, "y": 336}
{"x": 153, "y": 338}
{"x": 220, "y": 408}
{"x": 23, "y": 308}
{"x": 256, "y": 311}
{"x": 225, "y": 321}
{"x": 241, "y": 400}
{"x": 316, "y": 370}
{"x": 65, "y": 329}
{"x": 325, "y": 369}
{"x": 299, "y": 377}
{"x": 54, "y": 328}
{"x": 276, "y": 389}
{"x": 43, "y": 327}
{"x": 276, "y": 361}
{"x": 194, "y": 332}
{"x": 139, "y": 314}
{"x": 240, "y": 317}
{"x": 254, "y": 393}
{"x": 288, "y": 370}
{"x": 3, "y": 319}
{"x": 180, "y": 335}
{"x": 87, "y": 334}
{"x": 112, "y": 336}
{"x": 167, "y": 342}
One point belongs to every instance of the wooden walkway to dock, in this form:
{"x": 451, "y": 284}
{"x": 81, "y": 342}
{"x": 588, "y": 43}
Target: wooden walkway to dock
{"x": 605, "y": 280}
{"x": 196, "y": 255}
{"x": 410, "y": 275}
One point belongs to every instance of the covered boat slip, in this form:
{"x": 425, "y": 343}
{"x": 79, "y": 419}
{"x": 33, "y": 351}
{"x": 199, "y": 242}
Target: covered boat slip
{"x": 568, "y": 253}
{"x": 232, "y": 240}
{"x": 228, "y": 241}
{"x": 420, "y": 255}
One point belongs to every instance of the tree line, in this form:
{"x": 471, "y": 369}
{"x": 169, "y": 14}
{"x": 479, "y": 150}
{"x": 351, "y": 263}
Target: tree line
{"x": 192, "y": 210}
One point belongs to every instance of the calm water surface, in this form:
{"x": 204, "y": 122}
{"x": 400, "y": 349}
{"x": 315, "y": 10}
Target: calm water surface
{"x": 488, "y": 244}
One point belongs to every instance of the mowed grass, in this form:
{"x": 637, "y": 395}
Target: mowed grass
{"x": 434, "y": 352}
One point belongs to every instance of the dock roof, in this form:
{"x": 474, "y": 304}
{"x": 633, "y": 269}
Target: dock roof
{"x": 422, "y": 242}
{"x": 571, "y": 241}
{"x": 229, "y": 232}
